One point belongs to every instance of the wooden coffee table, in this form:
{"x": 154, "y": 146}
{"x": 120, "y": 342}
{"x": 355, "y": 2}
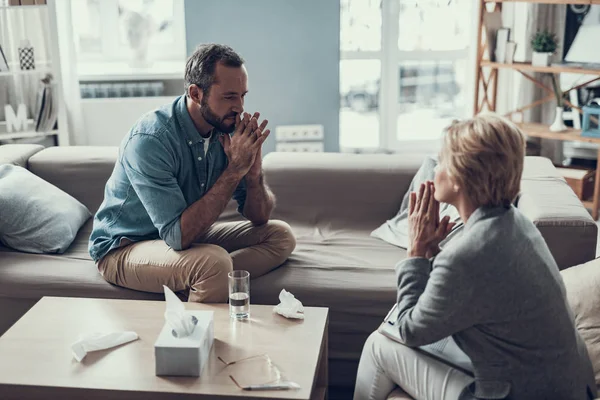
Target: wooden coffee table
{"x": 36, "y": 360}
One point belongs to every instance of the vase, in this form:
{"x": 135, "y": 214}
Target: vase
{"x": 540, "y": 59}
{"x": 558, "y": 125}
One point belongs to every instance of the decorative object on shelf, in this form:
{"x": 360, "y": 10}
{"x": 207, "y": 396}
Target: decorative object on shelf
{"x": 46, "y": 110}
{"x": 511, "y": 48}
{"x": 493, "y": 23}
{"x": 559, "y": 124}
{"x": 544, "y": 44}
{"x": 591, "y": 118}
{"x": 502, "y": 37}
{"x": 26, "y": 57}
{"x": 15, "y": 122}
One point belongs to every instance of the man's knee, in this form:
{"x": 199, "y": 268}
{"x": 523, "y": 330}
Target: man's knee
{"x": 209, "y": 276}
{"x": 281, "y": 237}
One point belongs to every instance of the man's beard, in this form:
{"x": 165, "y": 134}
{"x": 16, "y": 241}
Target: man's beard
{"x": 216, "y": 121}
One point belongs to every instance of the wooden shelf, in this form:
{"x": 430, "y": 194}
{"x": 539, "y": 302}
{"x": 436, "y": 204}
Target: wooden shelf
{"x": 26, "y": 134}
{"x": 529, "y": 67}
{"x": 586, "y": 2}
{"x": 543, "y": 131}
{"x": 26, "y": 72}
{"x": 30, "y": 7}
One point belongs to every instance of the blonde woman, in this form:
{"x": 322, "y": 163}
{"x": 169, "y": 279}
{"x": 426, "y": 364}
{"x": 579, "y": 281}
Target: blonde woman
{"x": 495, "y": 289}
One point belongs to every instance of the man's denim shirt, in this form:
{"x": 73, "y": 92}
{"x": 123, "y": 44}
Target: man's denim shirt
{"x": 161, "y": 170}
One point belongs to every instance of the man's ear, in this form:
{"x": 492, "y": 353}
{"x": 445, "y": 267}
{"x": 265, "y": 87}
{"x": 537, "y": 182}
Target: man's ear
{"x": 195, "y": 93}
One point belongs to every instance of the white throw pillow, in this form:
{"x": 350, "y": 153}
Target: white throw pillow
{"x": 36, "y": 216}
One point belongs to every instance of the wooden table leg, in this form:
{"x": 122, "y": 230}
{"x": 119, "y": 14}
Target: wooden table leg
{"x": 596, "y": 190}
{"x": 322, "y": 391}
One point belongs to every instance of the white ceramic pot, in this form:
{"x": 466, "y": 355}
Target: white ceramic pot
{"x": 540, "y": 59}
{"x": 559, "y": 124}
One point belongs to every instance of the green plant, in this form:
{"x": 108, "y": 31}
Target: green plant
{"x": 544, "y": 42}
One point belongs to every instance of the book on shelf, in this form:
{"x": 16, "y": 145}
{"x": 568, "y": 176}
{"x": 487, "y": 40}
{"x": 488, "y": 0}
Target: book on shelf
{"x": 46, "y": 110}
{"x": 3, "y": 61}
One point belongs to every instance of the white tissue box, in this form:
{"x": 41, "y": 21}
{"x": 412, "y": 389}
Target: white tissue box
{"x": 185, "y": 356}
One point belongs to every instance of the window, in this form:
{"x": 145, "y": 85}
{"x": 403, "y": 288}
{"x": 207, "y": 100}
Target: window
{"x": 118, "y": 36}
{"x": 403, "y": 70}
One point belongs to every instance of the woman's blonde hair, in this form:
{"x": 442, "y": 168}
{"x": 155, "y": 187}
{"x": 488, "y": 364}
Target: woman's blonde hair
{"x": 485, "y": 155}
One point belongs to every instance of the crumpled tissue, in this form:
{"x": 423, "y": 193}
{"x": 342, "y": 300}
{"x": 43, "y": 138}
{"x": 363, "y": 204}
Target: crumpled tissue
{"x": 100, "y": 341}
{"x": 290, "y": 306}
{"x": 181, "y": 321}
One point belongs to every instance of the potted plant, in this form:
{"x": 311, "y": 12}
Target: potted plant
{"x": 544, "y": 44}
{"x": 559, "y": 124}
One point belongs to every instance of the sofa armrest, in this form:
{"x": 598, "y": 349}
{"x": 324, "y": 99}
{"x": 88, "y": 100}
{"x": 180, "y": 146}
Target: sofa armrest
{"x": 548, "y": 201}
{"x": 81, "y": 171}
{"x": 339, "y": 190}
{"x": 18, "y": 154}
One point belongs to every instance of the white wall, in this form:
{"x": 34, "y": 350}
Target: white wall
{"x": 108, "y": 120}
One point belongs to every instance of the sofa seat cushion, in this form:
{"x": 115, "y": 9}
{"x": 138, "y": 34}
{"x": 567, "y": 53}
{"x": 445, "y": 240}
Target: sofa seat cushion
{"x": 347, "y": 271}
{"x": 582, "y": 283}
{"x": 32, "y": 276}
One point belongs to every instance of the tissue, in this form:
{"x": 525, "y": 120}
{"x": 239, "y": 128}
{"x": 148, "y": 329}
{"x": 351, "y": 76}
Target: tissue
{"x": 100, "y": 341}
{"x": 289, "y": 306}
{"x": 181, "y": 321}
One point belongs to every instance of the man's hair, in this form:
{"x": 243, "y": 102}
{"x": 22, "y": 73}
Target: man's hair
{"x": 200, "y": 66}
{"x": 485, "y": 156}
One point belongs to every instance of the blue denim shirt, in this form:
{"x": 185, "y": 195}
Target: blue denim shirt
{"x": 161, "y": 170}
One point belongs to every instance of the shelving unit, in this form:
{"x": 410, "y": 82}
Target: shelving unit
{"x": 486, "y": 87}
{"x": 17, "y": 15}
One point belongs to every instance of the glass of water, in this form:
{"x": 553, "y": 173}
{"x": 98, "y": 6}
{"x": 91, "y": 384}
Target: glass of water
{"x": 239, "y": 294}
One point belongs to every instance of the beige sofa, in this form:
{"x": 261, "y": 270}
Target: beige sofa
{"x": 332, "y": 202}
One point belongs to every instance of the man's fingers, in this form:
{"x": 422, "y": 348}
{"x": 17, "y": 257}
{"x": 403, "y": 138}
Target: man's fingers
{"x": 420, "y": 197}
{"x": 263, "y": 125}
{"x": 225, "y": 141}
{"x": 261, "y": 139}
{"x": 249, "y": 125}
{"x": 242, "y": 122}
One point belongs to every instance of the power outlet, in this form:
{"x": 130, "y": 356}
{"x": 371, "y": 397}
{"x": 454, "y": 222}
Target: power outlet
{"x": 285, "y": 133}
{"x": 302, "y": 147}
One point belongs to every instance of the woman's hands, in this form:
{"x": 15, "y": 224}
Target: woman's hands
{"x": 425, "y": 230}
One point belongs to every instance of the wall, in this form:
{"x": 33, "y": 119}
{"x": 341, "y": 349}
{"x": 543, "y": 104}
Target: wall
{"x": 291, "y": 48}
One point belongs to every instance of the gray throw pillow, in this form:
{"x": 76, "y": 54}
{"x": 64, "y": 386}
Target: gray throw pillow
{"x": 36, "y": 216}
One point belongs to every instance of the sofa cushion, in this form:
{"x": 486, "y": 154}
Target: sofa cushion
{"x": 81, "y": 171}
{"x": 583, "y": 293}
{"x": 36, "y": 216}
{"x": 18, "y": 154}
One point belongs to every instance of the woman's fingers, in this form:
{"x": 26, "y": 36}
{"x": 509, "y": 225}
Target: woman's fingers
{"x": 412, "y": 202}
{"x": 420, "y": 197}
{"x": 433, "y": 206}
